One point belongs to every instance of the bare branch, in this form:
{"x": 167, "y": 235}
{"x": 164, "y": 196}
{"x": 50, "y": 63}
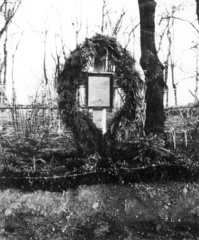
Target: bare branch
{"x": 4, "y": 65}
{"x": 129, "y": 34}
{"x": 8, "y": 13}
{"x": 44, "y": 59}
{"x": 192, "y": 24}
{"x": 6, "y": 140}
{"x": 162, "y": 35}
{"x": 103, "y": 15}
{"x": 118, "y": 24}
{"x": 77, "y": 25}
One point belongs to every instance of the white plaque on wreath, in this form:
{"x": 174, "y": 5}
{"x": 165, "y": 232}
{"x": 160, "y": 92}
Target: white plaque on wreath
{"x": 99, "y": 91}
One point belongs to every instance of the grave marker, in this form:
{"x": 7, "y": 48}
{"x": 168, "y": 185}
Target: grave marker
{"x": 100, "y": 97}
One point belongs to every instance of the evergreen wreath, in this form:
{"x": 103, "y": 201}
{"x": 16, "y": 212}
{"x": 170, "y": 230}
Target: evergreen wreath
{"x": 87, "y": 136}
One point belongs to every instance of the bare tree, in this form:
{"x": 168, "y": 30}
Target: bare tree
{"x": 197, "y": 52}
{"x": 168, "y": 32}
{"x": 12, "y": 70}
{"x": 107, "y": 20}
{"x": 174, "y": 17}
{"x": 8, "y": 10}
{"x": 197, "y": 76}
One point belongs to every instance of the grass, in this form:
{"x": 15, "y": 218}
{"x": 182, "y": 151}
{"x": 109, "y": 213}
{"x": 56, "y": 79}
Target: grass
{"x": 139, "y": 211}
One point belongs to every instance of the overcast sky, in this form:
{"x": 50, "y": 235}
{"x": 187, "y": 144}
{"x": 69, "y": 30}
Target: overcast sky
{"x": 61, "y": 18}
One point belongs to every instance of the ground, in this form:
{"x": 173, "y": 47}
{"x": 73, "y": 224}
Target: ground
{"x": 138, "y": 211}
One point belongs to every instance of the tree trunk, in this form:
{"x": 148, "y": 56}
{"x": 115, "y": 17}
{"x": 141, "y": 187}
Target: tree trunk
{"x": 153, "y": 69}
{"x": 197, "y": 9}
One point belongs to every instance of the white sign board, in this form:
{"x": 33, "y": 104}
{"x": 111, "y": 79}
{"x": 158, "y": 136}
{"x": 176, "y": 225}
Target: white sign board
{"x": 99, "y": 91}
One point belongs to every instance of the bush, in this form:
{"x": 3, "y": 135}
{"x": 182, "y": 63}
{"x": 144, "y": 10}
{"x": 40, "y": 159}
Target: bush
{"x": 34, "y": 139}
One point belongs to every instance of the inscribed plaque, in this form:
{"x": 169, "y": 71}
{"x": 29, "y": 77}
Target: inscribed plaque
{"x": 99, "y": 91}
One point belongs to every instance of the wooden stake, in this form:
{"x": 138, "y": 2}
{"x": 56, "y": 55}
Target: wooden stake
{"x": 185, "y": 137}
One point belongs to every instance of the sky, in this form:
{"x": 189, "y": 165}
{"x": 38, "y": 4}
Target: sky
{"x": 62, "y": 18}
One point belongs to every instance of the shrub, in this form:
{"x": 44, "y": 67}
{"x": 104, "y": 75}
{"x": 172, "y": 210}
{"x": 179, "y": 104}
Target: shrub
{"x": 34, "y": 138}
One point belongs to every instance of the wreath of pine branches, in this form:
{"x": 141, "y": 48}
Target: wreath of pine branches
{"x": 87, "y": 136}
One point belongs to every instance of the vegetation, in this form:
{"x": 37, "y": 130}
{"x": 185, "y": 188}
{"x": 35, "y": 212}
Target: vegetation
{"x": 37, "y": 157}
{"x": 34, "y": 138}
{"x": 139, "y": 211}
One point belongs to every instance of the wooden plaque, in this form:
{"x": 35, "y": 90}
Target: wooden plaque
{"x": 99, "y": 91}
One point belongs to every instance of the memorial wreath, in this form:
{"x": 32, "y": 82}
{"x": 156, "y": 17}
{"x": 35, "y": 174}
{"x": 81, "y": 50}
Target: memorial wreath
{"x": 87, "y": 136}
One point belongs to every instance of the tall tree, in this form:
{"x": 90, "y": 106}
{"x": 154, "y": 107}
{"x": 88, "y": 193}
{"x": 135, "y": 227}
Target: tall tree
{"x": 152, "y": 67}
